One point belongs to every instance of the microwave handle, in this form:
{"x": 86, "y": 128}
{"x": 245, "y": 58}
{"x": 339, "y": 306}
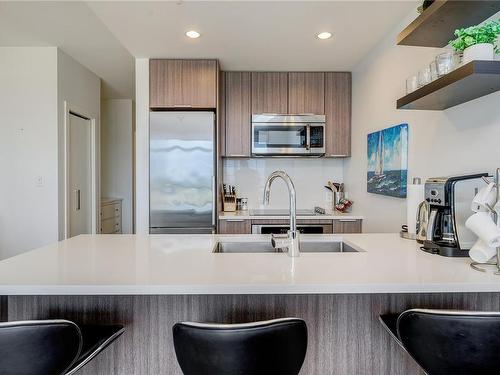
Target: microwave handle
{"x": 308, "y": 137}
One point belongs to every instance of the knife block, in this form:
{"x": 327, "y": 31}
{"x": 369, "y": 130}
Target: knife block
{"x": 228, "y": 203}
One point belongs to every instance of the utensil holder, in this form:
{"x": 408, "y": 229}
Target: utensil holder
{"x": 495, "y": 262}
{"x": 337, "y": 197}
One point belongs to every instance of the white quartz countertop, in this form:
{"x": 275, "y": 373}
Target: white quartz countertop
{"x": 249, "y": 215}
{"x": 185, "y": 264}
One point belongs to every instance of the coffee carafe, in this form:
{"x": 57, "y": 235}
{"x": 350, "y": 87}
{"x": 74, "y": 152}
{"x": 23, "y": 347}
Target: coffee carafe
{"x": 449, "y": 200}
{"x": 422, "y": 221}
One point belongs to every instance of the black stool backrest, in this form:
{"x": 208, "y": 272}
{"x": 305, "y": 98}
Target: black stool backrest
{"x": 38, "y": 347}
{"x": 452, "y": 342}
{"x": 276, "y": 347}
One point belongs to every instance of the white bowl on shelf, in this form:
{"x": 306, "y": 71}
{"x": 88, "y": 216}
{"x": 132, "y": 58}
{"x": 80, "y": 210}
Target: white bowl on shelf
{"x": 481, "y": 51}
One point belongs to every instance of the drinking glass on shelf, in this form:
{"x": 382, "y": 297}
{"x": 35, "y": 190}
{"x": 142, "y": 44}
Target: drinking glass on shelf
{"x": 411, "y": 84}
{"x": 457, "y": 59}
{"x": 424, "y": 76}
{"x": 444, "y": 63}
{"x": 433, "y": 70}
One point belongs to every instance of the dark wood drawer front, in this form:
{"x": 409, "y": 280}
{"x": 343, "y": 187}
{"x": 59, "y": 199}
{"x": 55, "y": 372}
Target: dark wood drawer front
{"x": 347, "y": 226}
{"x": 235, "y": 226}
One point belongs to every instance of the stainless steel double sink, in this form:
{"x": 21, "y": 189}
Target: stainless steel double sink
{"x": 266, "y": 247}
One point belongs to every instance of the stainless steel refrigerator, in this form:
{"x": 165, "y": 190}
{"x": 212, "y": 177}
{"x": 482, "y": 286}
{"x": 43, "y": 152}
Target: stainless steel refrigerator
{"x": 182, "y": 172}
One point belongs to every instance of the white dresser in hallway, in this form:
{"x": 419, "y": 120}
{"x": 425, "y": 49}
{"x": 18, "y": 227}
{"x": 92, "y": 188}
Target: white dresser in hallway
{"x": 111, "y": 215}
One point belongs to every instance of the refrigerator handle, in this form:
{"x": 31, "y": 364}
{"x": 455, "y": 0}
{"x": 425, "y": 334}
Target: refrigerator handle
{"x": 214, "y": 203}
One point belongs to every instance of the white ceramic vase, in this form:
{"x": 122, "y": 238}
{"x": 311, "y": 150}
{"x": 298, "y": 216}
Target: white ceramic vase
{"x": 481, "y": 51}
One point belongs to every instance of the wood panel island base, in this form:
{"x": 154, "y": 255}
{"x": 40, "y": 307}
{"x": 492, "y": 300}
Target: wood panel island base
{"x": 150, "y": 282}
{"x": 345, "y": 336}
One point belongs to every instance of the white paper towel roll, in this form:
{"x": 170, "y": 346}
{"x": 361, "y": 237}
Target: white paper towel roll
{"x": 414, "y": 196}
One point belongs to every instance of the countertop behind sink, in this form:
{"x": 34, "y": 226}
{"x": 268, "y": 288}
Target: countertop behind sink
{"x": 283, "y": 214}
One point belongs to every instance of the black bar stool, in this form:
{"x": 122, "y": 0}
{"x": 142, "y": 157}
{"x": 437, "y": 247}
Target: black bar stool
{"x": 276, "y": 347}
{"x": 448, "y": 342}
{"x": 51, "y": 346}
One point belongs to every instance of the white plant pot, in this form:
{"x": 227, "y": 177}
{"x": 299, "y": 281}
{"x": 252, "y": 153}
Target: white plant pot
{"x": 481, "y": 51}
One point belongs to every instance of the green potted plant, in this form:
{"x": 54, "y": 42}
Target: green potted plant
{"x": 477, "y": 42}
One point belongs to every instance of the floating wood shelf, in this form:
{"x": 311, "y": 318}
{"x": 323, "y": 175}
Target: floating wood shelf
{"x": 469, "y": 82}
{"x": 436, "y": 25}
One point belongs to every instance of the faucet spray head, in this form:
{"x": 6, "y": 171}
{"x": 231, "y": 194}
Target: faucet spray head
{"x": 267, "y": 194}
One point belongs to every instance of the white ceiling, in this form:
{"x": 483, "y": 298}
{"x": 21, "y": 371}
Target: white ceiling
{"x": 74, "y": 28}
{"x": 105, "y": 36}
{"x": 255, "y": 35}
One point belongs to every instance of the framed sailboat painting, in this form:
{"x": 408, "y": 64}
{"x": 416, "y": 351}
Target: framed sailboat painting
{"x": 388, "y": 161}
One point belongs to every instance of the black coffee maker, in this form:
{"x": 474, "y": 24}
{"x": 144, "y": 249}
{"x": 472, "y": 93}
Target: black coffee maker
{"x": 449, "y": 200}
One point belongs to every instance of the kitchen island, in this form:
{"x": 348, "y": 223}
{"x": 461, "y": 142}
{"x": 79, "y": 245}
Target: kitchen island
{"x": 150, "y": 282}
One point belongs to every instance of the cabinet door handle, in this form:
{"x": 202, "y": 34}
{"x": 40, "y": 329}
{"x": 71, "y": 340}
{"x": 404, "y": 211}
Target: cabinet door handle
{"x": 235, "y": 220}
{"x": 337, "y": 155}
{"x": 308, "y": 137}
{"x": 347, "y": 220}
{"x": 214, "y": 201}
{"x": 182, "y": 105}
{"x": 78, "y": 198}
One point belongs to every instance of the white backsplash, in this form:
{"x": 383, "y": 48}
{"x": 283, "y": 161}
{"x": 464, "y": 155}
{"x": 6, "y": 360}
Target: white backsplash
{"x": 309, "y": 177}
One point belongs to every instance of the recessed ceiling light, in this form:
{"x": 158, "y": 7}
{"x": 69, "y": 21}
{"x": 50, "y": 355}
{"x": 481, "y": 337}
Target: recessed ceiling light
{"x": 192, "y": 34}
{"x": 324, "y": 35}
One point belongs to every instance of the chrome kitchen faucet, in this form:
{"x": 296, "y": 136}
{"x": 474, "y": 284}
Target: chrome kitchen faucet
{"x": 291, "y": 241}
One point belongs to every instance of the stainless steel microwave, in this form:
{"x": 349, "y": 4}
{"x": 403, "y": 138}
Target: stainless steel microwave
{"x": 288, "y": 135}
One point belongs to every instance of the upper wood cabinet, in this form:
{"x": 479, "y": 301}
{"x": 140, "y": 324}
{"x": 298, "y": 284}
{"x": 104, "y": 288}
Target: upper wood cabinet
{"x": 306, "y": 93}
{"x": 182, "y": 83}
{"x": 269, "y": 92}
{"x": 221, "y": 115}
{"x": 338, "y": 114}
{"x": 237, "y": 110}
{"x": 246, "y": 93}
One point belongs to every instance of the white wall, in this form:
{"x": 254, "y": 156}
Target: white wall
{"x": 81, "y": 90}
{"x": 34, "y": 83}
{"x": 28, "y": 148}
{"x": 117, "y": 155}
{"x": 142, "y": 146}
{"x": 461, "y": 139}
{"x": 309, "y": 177}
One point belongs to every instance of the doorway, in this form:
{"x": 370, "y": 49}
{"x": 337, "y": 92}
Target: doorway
{"x": 80, "y": 186}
